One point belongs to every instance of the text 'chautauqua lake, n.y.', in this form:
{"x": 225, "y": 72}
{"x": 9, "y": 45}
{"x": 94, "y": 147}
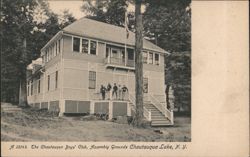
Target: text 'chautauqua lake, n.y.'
{"x": 69, "y": 147}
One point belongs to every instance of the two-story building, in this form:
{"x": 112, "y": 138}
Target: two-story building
{"x": 87, "y": 54}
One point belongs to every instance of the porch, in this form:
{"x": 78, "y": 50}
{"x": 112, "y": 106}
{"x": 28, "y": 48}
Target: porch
{"x": 119, "y": 57}
{"x": 110, "y": 108}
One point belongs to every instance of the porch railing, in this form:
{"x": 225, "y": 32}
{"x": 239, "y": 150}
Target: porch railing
{"x": 146, "y": 112}
{"x": 120, "y": 61}
{"x": 108, "y": 96}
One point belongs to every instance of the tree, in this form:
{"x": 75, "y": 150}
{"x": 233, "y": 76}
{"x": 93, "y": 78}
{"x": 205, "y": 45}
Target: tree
{"x": 16, "y": 23}
{"x": 26, "y": 26}
{"x": 111, "y": 12}
{"x": 138, "y": 64}
{"x": 168, "y": 24}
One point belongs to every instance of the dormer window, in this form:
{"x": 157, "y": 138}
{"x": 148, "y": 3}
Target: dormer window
{"x": 93, "y": 47}
{"x": 76, "y": 44}
{"x": 85, "y": 46}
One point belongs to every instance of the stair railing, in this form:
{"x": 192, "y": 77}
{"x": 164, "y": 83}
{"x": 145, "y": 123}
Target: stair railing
{"x": 162, "y": 108}
{"x": 146, "y": 112}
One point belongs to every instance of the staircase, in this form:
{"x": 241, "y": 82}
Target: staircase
{"x": 157, "y": 118}
{"x": 7, "y": 107}
{"x": 154, "y": 111}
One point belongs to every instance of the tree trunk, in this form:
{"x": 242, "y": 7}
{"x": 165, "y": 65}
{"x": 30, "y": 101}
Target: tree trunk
{"x": 138, "y": 65}
{"x": 23, "y": 88}
{"x": 22, "y": 93}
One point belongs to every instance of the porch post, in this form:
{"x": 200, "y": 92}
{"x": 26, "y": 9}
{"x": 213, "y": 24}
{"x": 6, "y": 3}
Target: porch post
{"x": 128, "y": 109}
{"x": 110, "y": 110}
{"x": 92, "y": 107}
{"x": 62, "y": 107}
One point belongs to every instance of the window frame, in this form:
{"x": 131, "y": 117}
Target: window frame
{"x": 39, "y": 86}
{"x": 73, "y": 37}
{"x": 145, "y": 61}
{"x": 87, "y": 47}
{"x": 155, "y": 59}
{"x": 150, "y": 61}
{"x": 90, "y": 79}
{"x": 31, "y": 87}
{"x": 107, "y": 53}
{"x": 28, "y": 88}
{"x": 56, "y": 80}
{"x": 96, "y": 43}
{"x": 48, "y": 82}
{"x": 59, "y": 46}
{"x": 145, "y": 91}
{"x": 89, "y": 42}
{"x": 130, "y": 52}
{"x": 56, "y": 45}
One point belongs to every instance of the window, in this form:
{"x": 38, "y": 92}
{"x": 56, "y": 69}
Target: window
{"x": 93, "y": 47}
{"x": 31, "y": 88}
{"x": 145, "y": 85}
{"x": 59, "y": 46}
{"x": 150, "y": 58}
{"x": 92, "y": 79}
{"x": 50, "y": 54}
{"x": 47, "y": 56}
{"x": 145, "y": 57}
{"x": 85, "y": 46}
{"x": 76, "y": 44}
{"x": 130, "y": 54}
{"x": 48, "y": 82}
{"x": 123, "y": 55}
{"x": 157, "y": 59}
{"x": 43, "y": 58}
{"x": 107, "y": 52}
{"x": 56, "y": 50}
{"x": 39, "y": 86}
{"x": 114, "y": 53}
{"x": 28, "y": 88}
{"x": 56, "y": 80}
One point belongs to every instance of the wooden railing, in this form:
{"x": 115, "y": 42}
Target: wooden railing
{"x": 162, "y": 108}
{"x": 120, "y": 61}
{"x": 146, "y": 112}
{"x": 108, "y": 96}
{"x": 130, "y": 63}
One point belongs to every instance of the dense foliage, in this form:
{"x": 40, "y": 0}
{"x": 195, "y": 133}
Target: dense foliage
{"x": 26, "y": 26}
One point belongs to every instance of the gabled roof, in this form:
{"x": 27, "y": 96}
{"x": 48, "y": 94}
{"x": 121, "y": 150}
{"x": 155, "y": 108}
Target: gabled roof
{"x": 107, "y": 32}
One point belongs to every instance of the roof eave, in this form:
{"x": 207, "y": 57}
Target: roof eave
{"x": 58, "y": 35}
{"x": 146, "y": 48}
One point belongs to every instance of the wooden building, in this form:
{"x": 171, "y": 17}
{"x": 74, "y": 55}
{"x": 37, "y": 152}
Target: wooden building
{"x": 87, "y": 54}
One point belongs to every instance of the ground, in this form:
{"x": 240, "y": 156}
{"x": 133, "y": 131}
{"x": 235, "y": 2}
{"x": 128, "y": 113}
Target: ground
{"x": 31, "y": 125}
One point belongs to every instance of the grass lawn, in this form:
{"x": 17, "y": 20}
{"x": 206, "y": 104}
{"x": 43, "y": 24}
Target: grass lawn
{"x": 30, "y": 125}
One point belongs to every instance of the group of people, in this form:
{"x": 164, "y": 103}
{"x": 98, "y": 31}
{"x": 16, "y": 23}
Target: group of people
{"x": 118, "y": 92}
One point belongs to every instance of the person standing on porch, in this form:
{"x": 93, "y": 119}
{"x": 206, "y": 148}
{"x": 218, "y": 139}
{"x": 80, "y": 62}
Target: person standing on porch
{"x": 115, "y": 88}
{"x": 109, "y": 91}
{"x": 103, "y": 91}
{"x": 124, "y": 91}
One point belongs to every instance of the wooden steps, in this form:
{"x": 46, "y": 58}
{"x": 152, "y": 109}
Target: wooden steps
{"x": 157, "y": 118}
{"x": 6, "y": 107}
